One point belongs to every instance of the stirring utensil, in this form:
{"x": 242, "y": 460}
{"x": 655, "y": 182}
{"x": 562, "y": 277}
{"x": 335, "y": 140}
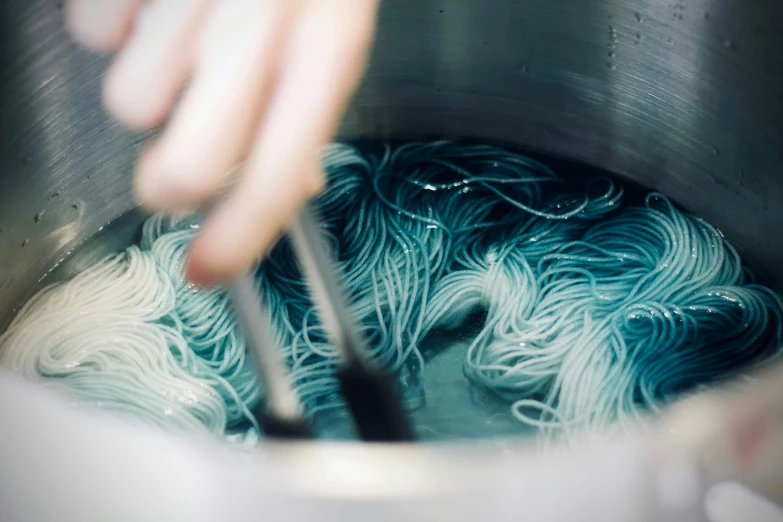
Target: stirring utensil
{"x": 280, "y": 415}
{"x": 367, "y": 389}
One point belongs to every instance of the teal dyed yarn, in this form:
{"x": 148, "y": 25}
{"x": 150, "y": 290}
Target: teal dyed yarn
{"x": 597, "y": 309}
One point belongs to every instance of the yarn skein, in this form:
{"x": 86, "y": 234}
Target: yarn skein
{"x": 597, "y": 309}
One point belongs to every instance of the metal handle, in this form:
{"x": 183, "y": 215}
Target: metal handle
{"x": 281, "y": 415}
{"x": 322, "y": 277}
{"x": 368, "y": 391}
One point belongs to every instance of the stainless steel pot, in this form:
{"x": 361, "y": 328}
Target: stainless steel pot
{"x": 682, "y": 96}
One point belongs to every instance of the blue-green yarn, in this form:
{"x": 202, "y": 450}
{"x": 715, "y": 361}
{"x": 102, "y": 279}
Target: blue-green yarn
{"x": 597, "y": 309}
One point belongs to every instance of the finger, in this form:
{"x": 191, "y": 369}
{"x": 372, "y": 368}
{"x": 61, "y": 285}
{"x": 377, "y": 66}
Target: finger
{"x": 323, "y": 64}
{"x": 216, "y": 119}
{"x": 322, "y": 67}
{"x": 143, "y": 83}
{"x": 102, "y": 25}
{"x": 227, "y": 247}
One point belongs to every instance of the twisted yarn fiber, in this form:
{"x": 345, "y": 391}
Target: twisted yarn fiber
{"x": 597, "y": 310}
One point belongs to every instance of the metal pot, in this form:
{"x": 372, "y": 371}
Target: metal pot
{"x": 684, "y": 97}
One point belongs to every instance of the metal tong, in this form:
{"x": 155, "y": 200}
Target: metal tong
{"x": 368, "y": 390}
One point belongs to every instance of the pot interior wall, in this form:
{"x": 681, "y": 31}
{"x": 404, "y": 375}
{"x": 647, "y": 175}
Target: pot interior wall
{"x": 681, "y": 97}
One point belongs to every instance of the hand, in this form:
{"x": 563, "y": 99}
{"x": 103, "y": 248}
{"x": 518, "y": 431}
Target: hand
{"x": 268, "y": 81}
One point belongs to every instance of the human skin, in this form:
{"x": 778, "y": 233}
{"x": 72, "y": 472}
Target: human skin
{"x": 257, "y": 83}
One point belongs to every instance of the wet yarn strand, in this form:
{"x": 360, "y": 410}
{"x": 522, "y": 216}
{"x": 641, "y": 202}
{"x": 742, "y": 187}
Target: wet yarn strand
{"x": 596, "y": 309}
